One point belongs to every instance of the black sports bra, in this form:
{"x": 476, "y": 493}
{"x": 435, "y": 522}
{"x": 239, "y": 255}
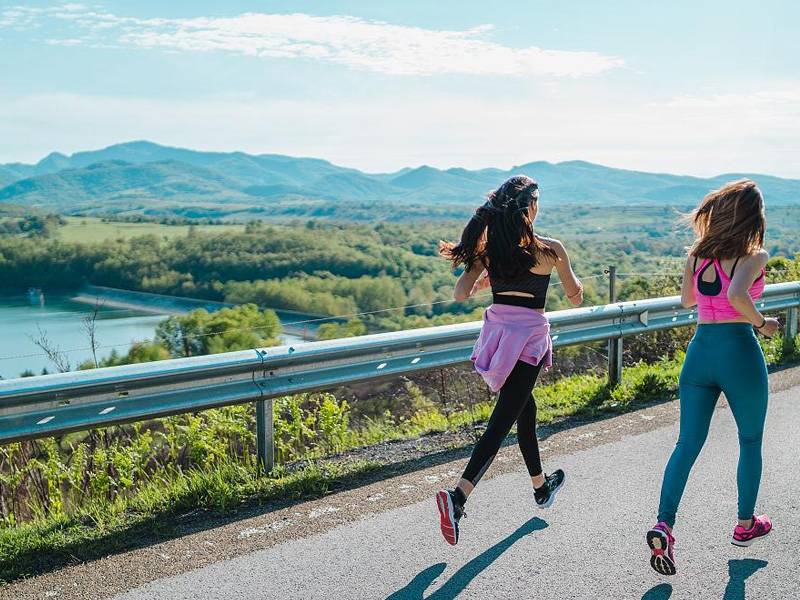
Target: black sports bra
{"x": 528, "y": 283}
{"x": 713, "y": 288}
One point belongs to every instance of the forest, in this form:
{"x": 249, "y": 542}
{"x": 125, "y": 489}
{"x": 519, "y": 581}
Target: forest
{"x": 318, "y": 268}
{"x": 386, "y": 276}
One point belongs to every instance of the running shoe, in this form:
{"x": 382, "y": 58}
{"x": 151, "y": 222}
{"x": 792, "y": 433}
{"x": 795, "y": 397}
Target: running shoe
{"x": 546, "y": 495}
{"x": 662, "y": 544}
{"x": 744, "y": 537}
{"x": 450, "y": 513}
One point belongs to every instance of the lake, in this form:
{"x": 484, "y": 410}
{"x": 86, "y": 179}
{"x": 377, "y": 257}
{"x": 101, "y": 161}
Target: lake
{"x": 60, "y": 319}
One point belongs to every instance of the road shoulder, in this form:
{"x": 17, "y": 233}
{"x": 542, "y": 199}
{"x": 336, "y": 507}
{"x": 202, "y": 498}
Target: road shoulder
{"x": 115, "y": 574}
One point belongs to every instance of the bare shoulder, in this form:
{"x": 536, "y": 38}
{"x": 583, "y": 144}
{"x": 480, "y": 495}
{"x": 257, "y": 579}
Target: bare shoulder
{"x": 554, "y": 245}
{"x": 761, "y": 257}
{"x": 755, "y": 261}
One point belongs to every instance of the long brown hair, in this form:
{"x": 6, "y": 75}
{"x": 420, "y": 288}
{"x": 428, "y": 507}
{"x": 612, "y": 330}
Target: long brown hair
{"x": 729, "y": 222}
{"x": 500, "y": 233}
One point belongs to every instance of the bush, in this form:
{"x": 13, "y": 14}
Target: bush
{"x": 310, "y": 425}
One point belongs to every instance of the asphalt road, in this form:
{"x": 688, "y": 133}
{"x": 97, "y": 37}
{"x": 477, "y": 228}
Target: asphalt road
{"x": 590, "y": 544}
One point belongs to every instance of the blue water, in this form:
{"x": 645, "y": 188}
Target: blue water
{"x": 61, "y": 321}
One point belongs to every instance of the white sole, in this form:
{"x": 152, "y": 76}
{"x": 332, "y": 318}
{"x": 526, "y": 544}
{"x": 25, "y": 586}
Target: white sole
{"x": 748, "y": 543}
{"x": 552, "y": 498}
{"x": 446, "y": 511}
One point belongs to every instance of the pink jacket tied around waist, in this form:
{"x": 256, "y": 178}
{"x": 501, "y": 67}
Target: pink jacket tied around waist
{"x": 509, "y": 334}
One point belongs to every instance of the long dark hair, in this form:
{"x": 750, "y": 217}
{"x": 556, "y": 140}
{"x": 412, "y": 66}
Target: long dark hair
{"x": 729, "y": 222}
{"x": 500, "y": 233}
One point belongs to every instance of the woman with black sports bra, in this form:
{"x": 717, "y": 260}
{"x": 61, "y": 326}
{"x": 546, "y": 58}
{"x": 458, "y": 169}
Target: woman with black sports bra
{"x": 532, "y": 285}
{"x": 724, "y": 275}
{"x": 498, "y": 248}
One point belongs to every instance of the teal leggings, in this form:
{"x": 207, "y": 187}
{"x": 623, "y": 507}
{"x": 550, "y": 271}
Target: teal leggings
{"x": 721, "y": 357}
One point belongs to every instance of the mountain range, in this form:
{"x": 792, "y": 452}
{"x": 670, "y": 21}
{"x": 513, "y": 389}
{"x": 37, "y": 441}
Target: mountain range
{"x": 144, "y": 177}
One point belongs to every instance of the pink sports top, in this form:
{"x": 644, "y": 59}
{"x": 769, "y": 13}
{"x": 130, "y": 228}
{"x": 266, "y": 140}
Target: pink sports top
{"x": 712, "y": 296}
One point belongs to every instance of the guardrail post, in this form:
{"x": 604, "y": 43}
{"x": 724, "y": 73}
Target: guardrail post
{"x": 791, "y": 329}
{"x": 614, "y": 344}
{"x": 265, "y": 435}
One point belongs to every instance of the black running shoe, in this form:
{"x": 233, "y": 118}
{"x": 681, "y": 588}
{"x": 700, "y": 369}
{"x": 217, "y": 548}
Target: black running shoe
{"x": 662, "y": 548}
{"x": 450, "y": 513}
{"x": 546, "y": 494}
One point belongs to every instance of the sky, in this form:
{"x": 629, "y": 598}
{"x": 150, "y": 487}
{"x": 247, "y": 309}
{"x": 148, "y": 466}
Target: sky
{"x": 699, "y": 88}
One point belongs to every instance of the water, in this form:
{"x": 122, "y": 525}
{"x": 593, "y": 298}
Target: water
{"x": 61, "y": 320}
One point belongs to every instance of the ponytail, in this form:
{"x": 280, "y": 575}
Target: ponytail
{"x": 500, "y": 233}
{"x": 472, "y": 247}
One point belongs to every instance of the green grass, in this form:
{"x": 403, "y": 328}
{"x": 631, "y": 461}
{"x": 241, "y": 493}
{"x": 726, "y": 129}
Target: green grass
{"x": 146, "y": 513}
{"x": 92, "y": 229}
{"x": 102, "y": 529}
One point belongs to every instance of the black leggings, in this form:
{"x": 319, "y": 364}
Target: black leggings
{"x": 515, "y": 402}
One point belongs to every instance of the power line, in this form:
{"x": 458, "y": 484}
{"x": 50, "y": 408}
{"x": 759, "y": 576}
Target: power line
{"x": 258, "y": 328}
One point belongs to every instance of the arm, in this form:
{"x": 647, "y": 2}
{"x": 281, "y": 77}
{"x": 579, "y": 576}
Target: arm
{"x": 747, "y": 271}
{"x": 688, "y": 299}
{"x": 465, "y": 286}
{"x": 572, "y": 285}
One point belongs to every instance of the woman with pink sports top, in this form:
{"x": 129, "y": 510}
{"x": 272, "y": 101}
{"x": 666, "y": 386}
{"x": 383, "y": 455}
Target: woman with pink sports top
{"x": 498, "y": 248}
{"x": 724, "y": 275}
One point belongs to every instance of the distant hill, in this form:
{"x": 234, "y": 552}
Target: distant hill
{"x": 14, "y": 210}
{"x": 7, "y": 177}
{"x": 115, "y": 182}
{"x": 154, "y": 179}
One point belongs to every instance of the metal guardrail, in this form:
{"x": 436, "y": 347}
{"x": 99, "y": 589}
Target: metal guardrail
{"x": 60, "y": 403}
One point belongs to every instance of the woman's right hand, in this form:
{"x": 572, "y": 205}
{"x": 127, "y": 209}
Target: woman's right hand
{"x": 481, "y": 283}
{"x": 566, "y": 274}
{"x": 770, "y": 327}
{"x": 576, "y": 298}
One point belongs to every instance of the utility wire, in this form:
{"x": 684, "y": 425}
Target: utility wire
{"x": 290, "y": 324}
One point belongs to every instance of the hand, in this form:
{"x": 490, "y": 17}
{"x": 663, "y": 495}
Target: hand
{"x": 576, "y": 298}
{"x": 770, "y": 327}
{"x": 481, "y": 283}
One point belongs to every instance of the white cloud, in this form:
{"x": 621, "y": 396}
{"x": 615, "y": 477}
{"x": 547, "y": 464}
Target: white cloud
{"x": 752, "y": 118}
{"x": 64, "y": 42}
{"x": 345, "y": 40}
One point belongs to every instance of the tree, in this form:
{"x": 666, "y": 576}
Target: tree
{"x": 352, "y": 328}
{"x": 89, "y": 323}
{"x": 57, "y": 356}
{"x": 201, "y": 332}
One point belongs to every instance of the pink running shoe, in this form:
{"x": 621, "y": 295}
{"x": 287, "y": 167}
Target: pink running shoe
{"x": 744, "y": 537}
{"x": 662, "y": 544}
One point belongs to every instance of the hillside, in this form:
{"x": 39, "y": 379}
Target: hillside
{"x": 143, "y": 177}
{"x": 14, "y": 210}
{"x": 118, "y": 184}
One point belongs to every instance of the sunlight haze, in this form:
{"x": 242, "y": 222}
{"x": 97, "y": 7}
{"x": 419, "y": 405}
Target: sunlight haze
{"x": 678, "y": 87}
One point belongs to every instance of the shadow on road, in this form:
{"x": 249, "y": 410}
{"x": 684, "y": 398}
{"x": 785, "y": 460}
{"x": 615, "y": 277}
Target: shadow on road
{"x": 738, "y": 571}
{"x": 462, "y": 578}
{"x": 662, "y": 591}
{"x": 168, "y": 525}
